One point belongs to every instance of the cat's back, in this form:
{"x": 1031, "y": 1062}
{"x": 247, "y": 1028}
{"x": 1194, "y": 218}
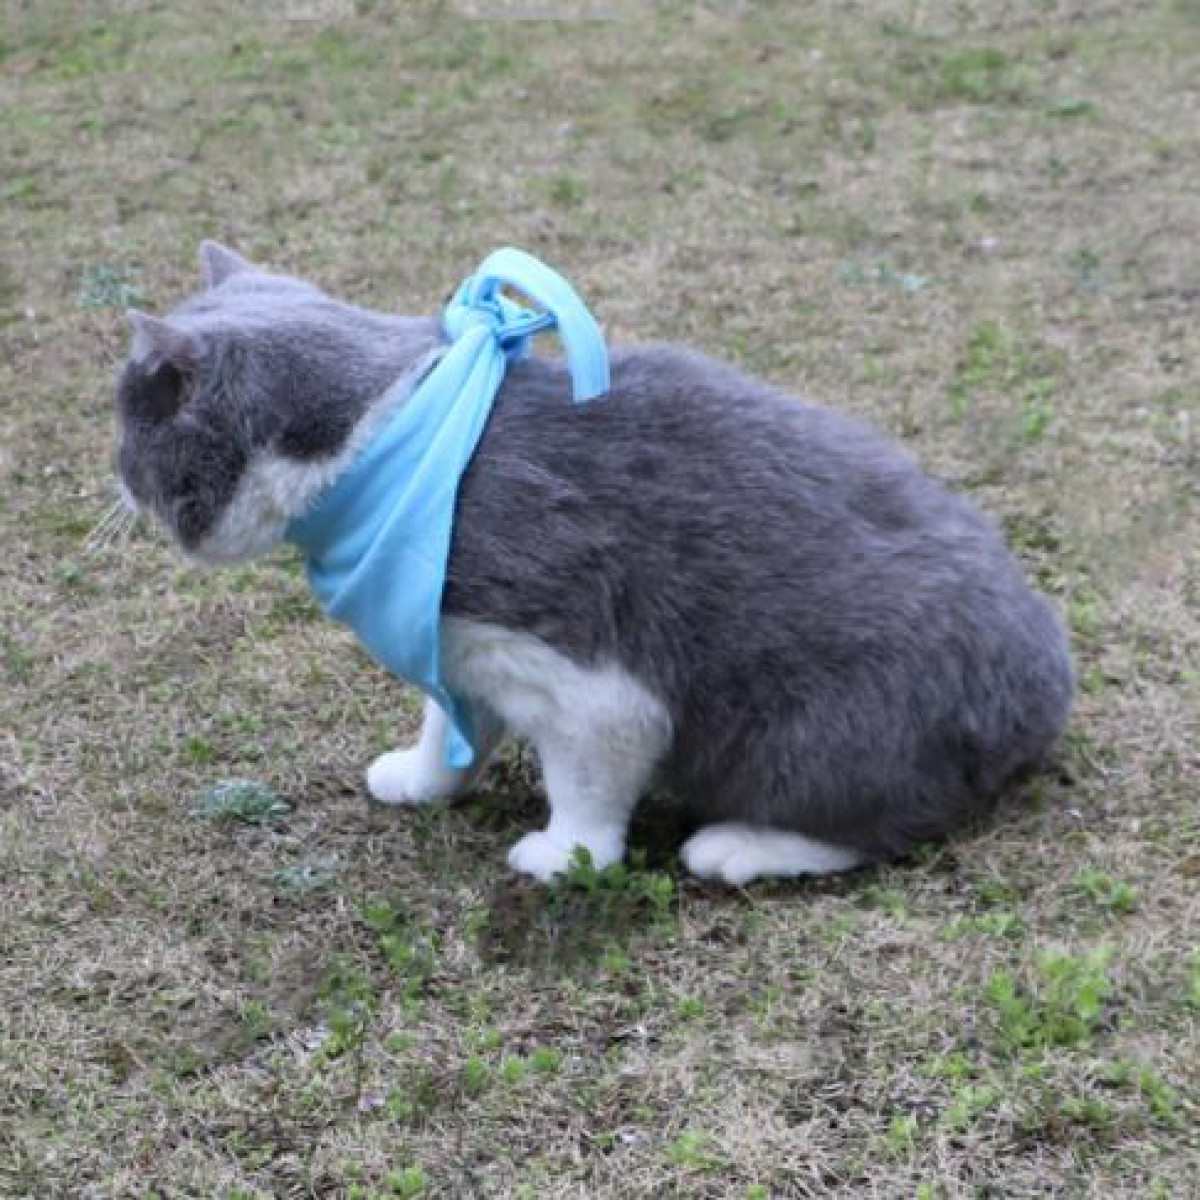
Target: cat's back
{"x": 693, "y": 492}
{"x": 684, "y": 440}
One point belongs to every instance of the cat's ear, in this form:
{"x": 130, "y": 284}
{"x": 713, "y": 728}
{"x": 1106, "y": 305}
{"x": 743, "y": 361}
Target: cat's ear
{"x": 218, "y": 263}
{"x": 154, "y": 385}
{"x": 155, "y": 338}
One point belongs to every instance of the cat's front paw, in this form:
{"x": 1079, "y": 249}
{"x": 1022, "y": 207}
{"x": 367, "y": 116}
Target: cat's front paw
{"x": 407, "y": 777}
{"x": 543, "y": 856}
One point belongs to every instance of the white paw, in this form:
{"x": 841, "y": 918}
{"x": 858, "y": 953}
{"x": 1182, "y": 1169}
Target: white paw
{"x": 537, "y": 854}
{"x": 720, "y": 853}
{"x": 405, "y": 777}
{"x": 737, "y": 854}
{"x": 542, "y": 856}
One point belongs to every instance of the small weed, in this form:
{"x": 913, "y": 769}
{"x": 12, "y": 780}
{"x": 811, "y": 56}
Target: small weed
{"x": 72, "y": 577}
{"x": 622, "y": 883}
{"x": 1162, "y": 1101}
{"x": 411, "y": 954}
{"x": 883, "y": 274}
{"x": 1161, "y": 1098}
{"x": 1036, "y": 410}
{"x": 199, "y": 750}
{"x": 1083, "y": 615}
{"x": 954, "y": 1066}
{"x": 241, "y": 800}
{"x": 995, "y": 893}
{"x": 1085, "y": 265}
{"x": 110, "y": 287}
{"x": 994, "y": 367}
{"x": 902, "y": 1134}
{"x": 889, "y": 900}
{"x": 475, "y": 1075}
{"x": 987, "y": 345}
{"x": 839, "y": 927}
{"x": 406, "y": 1184}
{"x": 979, "y": 75}
{"x": 566, "y": 191}
{"x": 587, "y": 915}
{"x": 484, "y": 1039}
{"x": 696, "y": 1151}
{"x": 546, "y": 1060}
{"x": 415, "y": 1098}
{"x": 615, "y": 960}
{"x": 1070, "y": 107}
{"x": 1088, "y": 1110}
{"x": 308, "y": 876}
{"x": 1105, "y": 891}
{"x": 17, "y": 657}
{"x": 1193, "y": 983}
{"x": 937, "y": 75}
{"x": 999, "y": 924}
{"x": 350, "y": 1002}
{"x": 1063, "y": 1005}
{"x": 23, "y": 187}
{"x": 970, "y": 1103}
{"x": 256, "y": 1020}
{"x": 514, "y": 1068}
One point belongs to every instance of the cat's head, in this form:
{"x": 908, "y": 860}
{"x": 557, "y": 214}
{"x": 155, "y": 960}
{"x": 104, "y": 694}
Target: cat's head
{"x": 245, "y": 401}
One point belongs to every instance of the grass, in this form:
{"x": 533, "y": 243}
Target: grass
{"x": 976, "y": 231}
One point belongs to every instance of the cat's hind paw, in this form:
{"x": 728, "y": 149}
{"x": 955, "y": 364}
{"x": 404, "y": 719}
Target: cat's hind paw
{"x": 736, "y": 854}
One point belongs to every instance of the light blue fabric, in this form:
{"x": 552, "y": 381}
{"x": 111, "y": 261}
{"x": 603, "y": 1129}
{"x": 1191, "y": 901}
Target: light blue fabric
{"x": 378, "y": 539}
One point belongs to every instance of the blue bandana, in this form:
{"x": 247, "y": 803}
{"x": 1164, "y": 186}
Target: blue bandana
{"x": 378, "y": 539}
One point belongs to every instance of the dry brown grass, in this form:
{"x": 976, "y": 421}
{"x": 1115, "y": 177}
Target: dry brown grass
{"x": 981, "y": 231}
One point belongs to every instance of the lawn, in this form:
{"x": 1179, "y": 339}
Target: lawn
{"x": 977, "y": 226}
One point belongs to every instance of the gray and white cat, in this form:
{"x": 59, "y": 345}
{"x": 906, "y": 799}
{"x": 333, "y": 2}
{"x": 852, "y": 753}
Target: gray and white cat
{"x": 697, "y": 579}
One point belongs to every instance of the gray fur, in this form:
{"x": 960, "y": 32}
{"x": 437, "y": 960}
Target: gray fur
{"x": 846, "y": 648}
{"x": 258, "y": 361}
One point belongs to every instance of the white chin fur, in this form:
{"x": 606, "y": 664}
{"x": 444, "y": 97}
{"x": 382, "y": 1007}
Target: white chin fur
{"x": 234, "y": 546}
{"x": 272, "y": 491}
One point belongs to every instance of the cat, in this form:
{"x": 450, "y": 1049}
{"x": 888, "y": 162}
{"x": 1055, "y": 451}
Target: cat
{"x": 697, "y": 579}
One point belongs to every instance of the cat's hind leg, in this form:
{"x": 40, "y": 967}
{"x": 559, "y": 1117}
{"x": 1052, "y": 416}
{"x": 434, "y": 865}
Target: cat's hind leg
{"x": 420, "y": 774}
{"x": 736, "y": 854}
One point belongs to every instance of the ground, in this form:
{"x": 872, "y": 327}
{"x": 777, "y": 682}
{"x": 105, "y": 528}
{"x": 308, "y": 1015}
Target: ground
{"x": 975, "y": 225}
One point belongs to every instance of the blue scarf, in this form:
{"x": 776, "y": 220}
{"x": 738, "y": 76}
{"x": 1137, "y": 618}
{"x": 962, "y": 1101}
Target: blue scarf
{"x": 377, "y": 540}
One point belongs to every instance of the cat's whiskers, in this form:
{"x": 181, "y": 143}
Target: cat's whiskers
{"x": 130, "y": 520}
{"x": 114, "y": 527}
{"x": 100, "y": 531}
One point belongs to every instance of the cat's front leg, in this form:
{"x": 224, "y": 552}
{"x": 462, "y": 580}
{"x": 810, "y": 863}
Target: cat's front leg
{"x": 597, "y": 730}
{"x": 593, "y": 782}
{"x": 420, "y": 775}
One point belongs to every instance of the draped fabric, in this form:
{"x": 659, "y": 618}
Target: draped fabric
{"x": 377, "y": 540}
